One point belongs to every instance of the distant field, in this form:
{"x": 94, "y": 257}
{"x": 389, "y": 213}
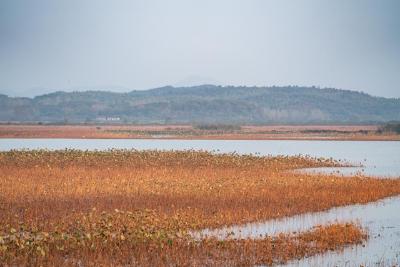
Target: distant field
{"x": 123, "y": 208}
{"x": 272, "y": 132}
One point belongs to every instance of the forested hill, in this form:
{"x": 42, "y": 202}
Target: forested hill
{"x": 204, "y": 104}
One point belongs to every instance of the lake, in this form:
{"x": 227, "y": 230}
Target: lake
{"x": 378, "y": 158}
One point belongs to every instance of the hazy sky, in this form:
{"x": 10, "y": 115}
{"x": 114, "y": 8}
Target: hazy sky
{"x": 80, "y": 44}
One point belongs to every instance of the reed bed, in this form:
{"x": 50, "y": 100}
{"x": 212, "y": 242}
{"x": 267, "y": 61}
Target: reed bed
{"x": 124, "y": 207}
{"x": 232, "y": 132}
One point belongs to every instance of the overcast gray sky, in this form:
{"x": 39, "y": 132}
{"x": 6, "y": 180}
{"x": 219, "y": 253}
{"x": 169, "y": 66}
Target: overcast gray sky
{"x": 124, "y": 45}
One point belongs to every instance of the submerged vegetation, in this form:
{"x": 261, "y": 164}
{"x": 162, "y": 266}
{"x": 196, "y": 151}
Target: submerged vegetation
{"x": 126, "y": 207}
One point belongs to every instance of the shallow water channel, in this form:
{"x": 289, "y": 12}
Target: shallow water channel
{"x": 382, "y": 220}
{"x": 379, "y": 158}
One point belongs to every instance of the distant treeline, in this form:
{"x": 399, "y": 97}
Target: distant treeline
{"x": 393, "y": 127}
{"x": 217, "y": 127}
{"x": 205, "y": 104}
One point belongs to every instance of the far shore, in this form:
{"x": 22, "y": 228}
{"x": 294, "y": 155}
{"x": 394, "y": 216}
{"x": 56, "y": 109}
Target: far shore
{"x": 189, "y": 132}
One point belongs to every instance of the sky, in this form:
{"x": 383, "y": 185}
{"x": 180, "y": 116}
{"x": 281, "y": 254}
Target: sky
{"x": 124, "y": 45}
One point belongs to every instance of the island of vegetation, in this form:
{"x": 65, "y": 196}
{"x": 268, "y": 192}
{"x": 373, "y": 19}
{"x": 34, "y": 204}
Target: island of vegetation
{"x": 127, "y": 207}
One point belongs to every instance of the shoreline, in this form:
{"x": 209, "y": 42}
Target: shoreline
{"x": 216, "y": 138}
{"x": 187, "y": 132}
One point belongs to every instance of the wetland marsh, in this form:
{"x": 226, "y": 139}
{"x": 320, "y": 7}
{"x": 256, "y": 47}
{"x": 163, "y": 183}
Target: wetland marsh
{"x": 139, "y": 207}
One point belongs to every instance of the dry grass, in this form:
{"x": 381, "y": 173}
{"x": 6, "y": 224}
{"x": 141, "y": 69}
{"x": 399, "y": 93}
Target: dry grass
{"x": 133, "y": 239}
{"x": 138, "y": 206}
{"x": 272, "y": 132}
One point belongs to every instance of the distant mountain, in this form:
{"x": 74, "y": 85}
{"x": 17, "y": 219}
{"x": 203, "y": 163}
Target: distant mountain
{"x": 204, "y": 104}
{"x": 37, "y": 91}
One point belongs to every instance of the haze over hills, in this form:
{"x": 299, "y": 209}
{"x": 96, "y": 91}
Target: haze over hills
{"x": 204, "y": 104}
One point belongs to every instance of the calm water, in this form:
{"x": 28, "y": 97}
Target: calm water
{"x": 382, "y": 218}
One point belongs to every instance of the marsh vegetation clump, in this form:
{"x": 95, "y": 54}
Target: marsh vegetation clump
{"x": 127, "y": 207}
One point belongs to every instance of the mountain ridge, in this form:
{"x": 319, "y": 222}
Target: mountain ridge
{"x": 205, "y": 104}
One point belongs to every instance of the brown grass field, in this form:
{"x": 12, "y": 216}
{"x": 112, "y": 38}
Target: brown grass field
{"x": 272, "y": 132}
{"x": 131, "y": 208}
